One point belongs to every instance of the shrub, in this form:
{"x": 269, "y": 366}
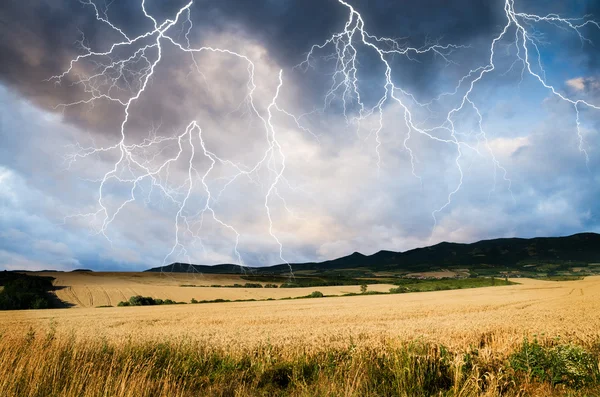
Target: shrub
{"x": 23, "y": 291}
{"x": 139, "y": 300}
{"x": 253, "y": 285}
{"x": 363, "y": 288}
{"x": 564, "y": 364}
{"x": 315, "y": 294}
{"x": 193, "y": 300}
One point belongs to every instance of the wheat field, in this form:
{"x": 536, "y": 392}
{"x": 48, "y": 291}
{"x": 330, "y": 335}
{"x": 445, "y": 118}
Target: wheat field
{"x": 93, "y": 289}
{"x": 570, "y": 309}
{"x": 471, "y": 342}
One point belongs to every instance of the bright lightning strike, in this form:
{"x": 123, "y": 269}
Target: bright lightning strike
{"x": 345, "y": 83}
{"x": 125, "y": 69}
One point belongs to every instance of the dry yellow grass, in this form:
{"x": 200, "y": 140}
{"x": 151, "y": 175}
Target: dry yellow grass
{"x": 351, "y": 346}
{"x": 455, "y": 318}
{"x": 91, "y": 289}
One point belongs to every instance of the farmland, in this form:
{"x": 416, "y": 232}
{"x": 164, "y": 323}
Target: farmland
{"x": 454, "y": 318}
{"x": 492, "y": 322}
{"x": 89, "y": 289}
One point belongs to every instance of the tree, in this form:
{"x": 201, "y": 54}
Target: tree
{"x": 363, "y": 288}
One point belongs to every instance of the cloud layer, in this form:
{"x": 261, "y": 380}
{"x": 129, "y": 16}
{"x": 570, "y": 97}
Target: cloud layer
{"x": 341, "y": 190}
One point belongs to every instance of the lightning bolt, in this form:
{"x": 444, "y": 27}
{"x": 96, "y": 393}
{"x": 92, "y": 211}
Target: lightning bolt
{"x": 345, "y": 83}
{"x": 123, "y": 71}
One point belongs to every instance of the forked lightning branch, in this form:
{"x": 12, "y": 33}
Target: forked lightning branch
{"x": 124, "y": 79}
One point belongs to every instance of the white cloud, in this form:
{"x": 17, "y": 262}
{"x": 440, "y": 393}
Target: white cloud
{"x": 577, "y": 83}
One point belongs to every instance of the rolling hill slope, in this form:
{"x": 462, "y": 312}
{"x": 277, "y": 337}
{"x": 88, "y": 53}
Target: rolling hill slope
{"x": 549, "y": 255}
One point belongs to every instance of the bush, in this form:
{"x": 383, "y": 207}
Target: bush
{"x": 315, "y": 294}
{"x": 23, "y": 291}
{"x": 193, "y": 300}
{"x": 139, "y": 300}
{"x": 271, "y": 286}
{"x": 398, "y": 290}
{"x": 253, "y": 285}
{"x": 564, "y": 364}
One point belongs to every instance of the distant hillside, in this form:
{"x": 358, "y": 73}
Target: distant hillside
{"x": 542, "y": 254}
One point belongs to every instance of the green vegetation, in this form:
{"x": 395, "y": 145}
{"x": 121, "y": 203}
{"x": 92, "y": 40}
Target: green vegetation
{"x": 417, "y": 284}
{"x": 192, "y": 368}
{"x": 413, "y": 285}
{"x": 322, "y": 280}
{"x": 303, "y": 282}
{"x": 566, "y": 364}
{"x": 139, "y": 300}
{"x": 249, "y": 285}
{"x": 246, "y": 285}
{"x": 563, "y": 278}
{"x": 21, "y": 291}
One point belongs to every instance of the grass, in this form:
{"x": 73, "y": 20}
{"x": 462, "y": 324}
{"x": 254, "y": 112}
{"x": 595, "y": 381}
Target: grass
{"x": 412, "y": 285}
{"x": 51, "y": 365}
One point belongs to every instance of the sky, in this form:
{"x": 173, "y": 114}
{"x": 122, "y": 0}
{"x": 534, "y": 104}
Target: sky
{"x": 134, "y": 134}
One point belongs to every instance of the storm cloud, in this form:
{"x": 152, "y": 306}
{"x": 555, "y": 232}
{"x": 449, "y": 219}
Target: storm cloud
{"x": 344, "y": 189}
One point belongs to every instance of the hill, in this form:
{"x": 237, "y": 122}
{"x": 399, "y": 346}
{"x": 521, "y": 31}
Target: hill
{"x": 540, "y": 256}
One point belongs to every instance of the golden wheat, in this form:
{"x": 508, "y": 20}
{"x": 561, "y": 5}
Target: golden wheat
{"x": 457, "y": 318}
{"x": 240, "y": 348}
{"x": 87, "y": 289}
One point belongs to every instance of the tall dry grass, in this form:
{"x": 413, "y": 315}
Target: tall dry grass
{"x": 49, "y": 364}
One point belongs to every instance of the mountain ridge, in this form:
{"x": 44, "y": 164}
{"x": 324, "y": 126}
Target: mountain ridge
{"x": 507, "y": 253}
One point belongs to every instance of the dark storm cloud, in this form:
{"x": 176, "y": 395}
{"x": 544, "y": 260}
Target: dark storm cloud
{"x": 40, "y": 37}
{"x": 291, "y": 27}
{"x": 31, "y": 48}
{"x": 593, "y": 33}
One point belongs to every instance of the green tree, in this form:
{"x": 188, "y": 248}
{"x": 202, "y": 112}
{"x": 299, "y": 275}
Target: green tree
{"x": 363, "y": 288}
